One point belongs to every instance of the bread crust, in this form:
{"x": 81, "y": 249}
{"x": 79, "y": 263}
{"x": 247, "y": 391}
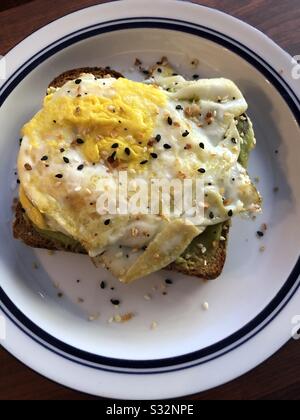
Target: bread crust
{"x": 69, "y": 75}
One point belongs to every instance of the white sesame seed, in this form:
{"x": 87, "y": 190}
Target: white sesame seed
{"x": 202, "y": 248}
{"x": 154, "y": 325}
{"x": 118, "y": 318}
{"x": 205, "y": 306}
{"x": 147, "y": 297}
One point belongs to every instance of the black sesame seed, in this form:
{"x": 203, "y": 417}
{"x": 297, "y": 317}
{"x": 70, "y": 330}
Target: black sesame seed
{"x": 168, "y": 281}
{"x": 167, "y": 146}
{"x": 154, "y": 155}
{"x": 115, "y": 146}
{"x": 158, "y": 138}
{"x": 144, "y": 162}
{"x": 202, "y": 170}
{"x": 232, "y": 179}
{"x": 103, "y": 285}
{"x": 78, "y": 81}
{"x": 179, "y": 108}
{"x": 20, "y": 141}
{"x": 127, "y": 151}
{"x": 107, "y": 222}
{"x": 113, "y": 156}
{"x": 211, "y": 215}
{"x": 185, "y": 134}
{"x": 18, "y": 181}
{"x": 276, "y": 152}
{"x": 146, "y": 72}
{"x": 170, "y": 121}
{"x": 234, "y": 141}
{"x": 59, "y": 176}
{"x": 201, "y": 145}
{"x": 80, "y": 141}
{"x": 196, "y": 76}
{"x": 44, "y": 158}
{"x": 80, "y": 167}
{"x": 66, "y": 160}
{"x": 230, "y": 213}
{"x": 62, "y": 150}
{"x": 54, "y": 121}
{"x": 260, "y": 234}
{"x": 159, "y": 70}
{"x": 115, "y": 302}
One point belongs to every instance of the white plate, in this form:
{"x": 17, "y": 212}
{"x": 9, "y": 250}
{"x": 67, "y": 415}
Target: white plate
{"x": 251, "y": 304}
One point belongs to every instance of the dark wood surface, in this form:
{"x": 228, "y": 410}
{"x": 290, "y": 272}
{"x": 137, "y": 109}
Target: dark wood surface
{"x": 279, "y": 377}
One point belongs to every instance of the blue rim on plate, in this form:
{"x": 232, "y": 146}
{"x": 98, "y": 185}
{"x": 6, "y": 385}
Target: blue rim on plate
{"x": 218, "y": 349}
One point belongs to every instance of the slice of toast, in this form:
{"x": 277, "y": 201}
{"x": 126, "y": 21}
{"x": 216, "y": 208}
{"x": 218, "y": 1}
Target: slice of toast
{"x": 204, "y": 258}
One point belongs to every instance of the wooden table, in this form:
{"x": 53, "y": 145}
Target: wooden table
{"x": 279, "y": 377}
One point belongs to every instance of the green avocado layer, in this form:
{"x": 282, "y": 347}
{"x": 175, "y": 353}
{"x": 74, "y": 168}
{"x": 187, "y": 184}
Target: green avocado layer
{"x": 210, "y": 238}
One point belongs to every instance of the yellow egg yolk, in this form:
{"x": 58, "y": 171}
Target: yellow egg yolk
{"x": 117, "y": 126}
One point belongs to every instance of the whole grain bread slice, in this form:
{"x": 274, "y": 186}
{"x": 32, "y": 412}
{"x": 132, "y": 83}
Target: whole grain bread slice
{"x": 207, "y": 265}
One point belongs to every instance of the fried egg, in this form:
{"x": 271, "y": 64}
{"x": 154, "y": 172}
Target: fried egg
{"x": 166, "y": 128}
